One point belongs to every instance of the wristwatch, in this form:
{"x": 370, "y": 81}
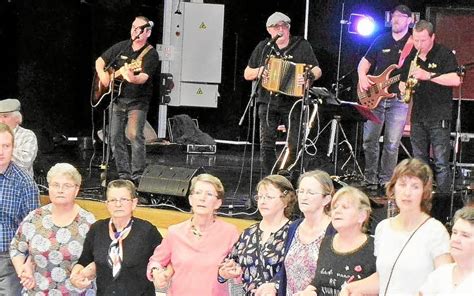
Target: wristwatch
{"x": 432, "y": 75}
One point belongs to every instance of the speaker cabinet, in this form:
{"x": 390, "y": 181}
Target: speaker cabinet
{"x": 168, "y": 180}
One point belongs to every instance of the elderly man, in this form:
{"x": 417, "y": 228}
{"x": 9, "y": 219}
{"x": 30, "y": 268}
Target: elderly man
{"x": 26, "y": 145}
{"x": 274, "y": 108}
{"x": 18, "y": 196}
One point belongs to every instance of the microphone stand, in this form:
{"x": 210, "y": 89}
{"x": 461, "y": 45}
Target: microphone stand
{"x": 251, "y": 103}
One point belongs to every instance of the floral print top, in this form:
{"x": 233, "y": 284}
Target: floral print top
{"x": 301, "y": 262}
{"x": 260, "y": 262}
{"x": 54, "y": 249}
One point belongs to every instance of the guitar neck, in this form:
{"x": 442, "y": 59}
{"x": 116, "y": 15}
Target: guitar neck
{"x": 391, "y": 81}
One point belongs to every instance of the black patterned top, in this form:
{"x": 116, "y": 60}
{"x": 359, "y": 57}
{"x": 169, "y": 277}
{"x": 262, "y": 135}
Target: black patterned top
{"x": 260, "y": 262}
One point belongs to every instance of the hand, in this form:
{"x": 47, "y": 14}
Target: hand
{"x": 267, "y": 289}
{"x": 402, "y": 87}
{"x": 364, "y": 82}
{"x": 104, "y": 78}
{"x": 421, "y": 74}
{"x": 230, "y": 269}
{"x": 26, "y": 274}
{"x": 128, "y": 73}
{"x": 79, "y": 278}
{"x": 162, "y": 277}
{"x": 309, "y": 291}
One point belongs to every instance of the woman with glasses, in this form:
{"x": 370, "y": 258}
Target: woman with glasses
{"x": 314, "y": 193}
{"x": 118, "y": 247}
{"x": 188, "y": 258}
{"x": 49, "y": 240}
{"x": 258, "y": 255}
{"x": 347, "y": 255}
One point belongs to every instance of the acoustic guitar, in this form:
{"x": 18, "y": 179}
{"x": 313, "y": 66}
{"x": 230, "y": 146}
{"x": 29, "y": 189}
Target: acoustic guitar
{"x": 100, "y": 91}
{"x": 379, "y": 90}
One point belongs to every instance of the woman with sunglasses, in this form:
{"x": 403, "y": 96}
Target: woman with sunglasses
{"x": 187, "y": 260}
{"x": 49, "y": 240}
{"x": 315, "y": 190}
{"x": 258, "y": 255}
{"x": 118, "y": 247}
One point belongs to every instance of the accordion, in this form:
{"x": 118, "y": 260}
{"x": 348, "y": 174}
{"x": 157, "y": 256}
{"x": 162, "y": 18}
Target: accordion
{"x": 282, "y": 76}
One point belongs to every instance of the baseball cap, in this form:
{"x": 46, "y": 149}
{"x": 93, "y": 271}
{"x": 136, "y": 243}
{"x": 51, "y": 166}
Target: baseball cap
{"x": 402, "y": 9}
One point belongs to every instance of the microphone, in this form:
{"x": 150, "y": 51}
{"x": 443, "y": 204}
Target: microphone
{"x": 274, "y": 39}
{"x": 150, "y": 25}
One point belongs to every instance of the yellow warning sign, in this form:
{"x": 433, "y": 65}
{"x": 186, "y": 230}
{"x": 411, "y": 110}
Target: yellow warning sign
{"x": 199, "y": 91}
{"x": 203, "y": 26}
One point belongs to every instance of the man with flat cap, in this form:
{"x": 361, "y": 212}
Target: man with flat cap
{"x": 19, "y": 195}
{"x": 388, "y": 49}
{"x": 26, "y": 144}
{"x": 274, "y": 108}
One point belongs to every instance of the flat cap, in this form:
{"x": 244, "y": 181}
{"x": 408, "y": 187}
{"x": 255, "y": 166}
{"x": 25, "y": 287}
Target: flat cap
{"x": 9, "y": 105}
{"x": 403, "y": 9}
{"x": 277, "y": 17}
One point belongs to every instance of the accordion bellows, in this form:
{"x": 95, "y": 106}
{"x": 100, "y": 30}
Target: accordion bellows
{"x": 282, "y": 77}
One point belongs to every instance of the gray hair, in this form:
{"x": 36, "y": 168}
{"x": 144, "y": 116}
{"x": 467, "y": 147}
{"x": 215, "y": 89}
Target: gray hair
{"x": 466, "y": 213}
{"x": 18, "y": 115}
{"x": 64, "y": 169}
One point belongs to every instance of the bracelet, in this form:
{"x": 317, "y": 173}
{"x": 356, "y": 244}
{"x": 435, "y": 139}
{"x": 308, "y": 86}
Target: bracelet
{"x": 221, "y": 279}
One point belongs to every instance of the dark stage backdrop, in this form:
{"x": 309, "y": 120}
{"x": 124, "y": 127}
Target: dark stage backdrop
{"x": 49, "y": 48}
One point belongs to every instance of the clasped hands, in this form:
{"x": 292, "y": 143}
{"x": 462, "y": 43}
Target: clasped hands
{"x": 162, "y": 276}
{"x": 81, "y": 278}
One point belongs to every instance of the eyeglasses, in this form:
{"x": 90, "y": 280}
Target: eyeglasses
{"x": 66, "y": 186}
{"x": 121, "y": 200}
{"x": 301, "y": 192}
{"x": 400, "y": 16}
{"x": 205, "y": 193}
{"x": 281, "y": 26}
{"x": 268, "y": 197}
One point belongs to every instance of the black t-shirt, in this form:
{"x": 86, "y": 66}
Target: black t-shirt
{"x": 432, "y": 101}
{"x": 334, "y": 268}
{"x": 298, "y": 50}
{"x": 135, "y": 94}
{"x": 384, "y": 52}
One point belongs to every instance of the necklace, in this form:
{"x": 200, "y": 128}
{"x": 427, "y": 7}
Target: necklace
{"x": 196, "y": 232}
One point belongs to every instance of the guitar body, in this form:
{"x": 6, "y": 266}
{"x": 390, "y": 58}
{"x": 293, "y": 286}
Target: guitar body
{"x": 100, "y": 92}
{"x": 379, "y": 90}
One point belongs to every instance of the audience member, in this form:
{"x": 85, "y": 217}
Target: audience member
{"x": 349, "y": 254}
{"x": 456, "y": 278}
{"x": 410, "y": 245}
{"x": 305, "y": 235}
{"x": 26, "y": 144}
{"x": 49, "y": 240}
{"x": 118, "y": 248}
{"x": 197, "y": 246}
{"x": 18, "y": 196}
{"x": 258, "y": 255}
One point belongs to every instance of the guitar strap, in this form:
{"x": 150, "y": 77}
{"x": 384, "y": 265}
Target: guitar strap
{"x": 405, "y": 51}
{"x": 144, "y": 52}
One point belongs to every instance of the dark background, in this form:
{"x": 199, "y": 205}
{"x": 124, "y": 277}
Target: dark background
{"x": 48, "y": 49}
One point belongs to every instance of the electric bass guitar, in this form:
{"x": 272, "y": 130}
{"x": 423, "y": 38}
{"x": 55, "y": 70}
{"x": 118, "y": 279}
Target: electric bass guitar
{"x": 100, "y": 91}
{"x": 379, "y": 90}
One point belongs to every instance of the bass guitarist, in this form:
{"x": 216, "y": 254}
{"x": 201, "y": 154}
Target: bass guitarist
{"x": 131, "y": 104}
{"x": 386, "y": 50}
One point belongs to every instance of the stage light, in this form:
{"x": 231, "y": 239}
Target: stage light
{"x": 361, "y": 24}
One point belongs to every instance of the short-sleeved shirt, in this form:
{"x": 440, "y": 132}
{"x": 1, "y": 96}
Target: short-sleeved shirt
{"x": 54, "y": 249}
{"x": 417, "y": 260}
{"x": 136, "y": 95}
{"x": 336, "y": 268}
{"x": 432, "y": 101}
{"x": 298, "y": 50}
{"x": 440, "y": 283}
{"x": 385, "y": 51}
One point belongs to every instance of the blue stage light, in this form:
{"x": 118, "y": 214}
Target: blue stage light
{"x": 361, "y": 24}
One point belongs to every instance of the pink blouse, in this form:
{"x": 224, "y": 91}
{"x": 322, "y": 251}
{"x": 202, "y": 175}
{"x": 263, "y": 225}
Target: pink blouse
{"x": 195, "y": 261}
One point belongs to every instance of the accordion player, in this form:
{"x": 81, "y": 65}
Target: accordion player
{"x": 282, "y": 77}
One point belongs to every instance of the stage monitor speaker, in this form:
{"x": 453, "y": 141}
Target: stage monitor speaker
{"x": 167, "y": 180}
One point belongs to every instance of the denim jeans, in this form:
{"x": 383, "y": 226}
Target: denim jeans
{"x": 392, "y": 113}
{"x": 269, "y": 121}
{"x": 9, "y": 281}
{"x": 435, "y": 134}
{"x": 134, "y": 121}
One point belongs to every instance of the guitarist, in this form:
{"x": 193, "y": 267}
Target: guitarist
{"x": 131, "y": 106}
{"x": 385, "y": 51}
